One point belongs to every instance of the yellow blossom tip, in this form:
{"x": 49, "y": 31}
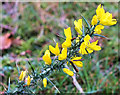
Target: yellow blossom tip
{"x": 55, "y": 50}
{"x": 22, "y": 75}
{"x": 67, "y": 71}
{"x": 28, "y": 80}
{"x": 63, "y": 54}
{"x": 44, "y": 82}
{"x": 46, "y": 57}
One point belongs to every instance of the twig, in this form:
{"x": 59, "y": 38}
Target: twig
{"x": 75, "y": 82}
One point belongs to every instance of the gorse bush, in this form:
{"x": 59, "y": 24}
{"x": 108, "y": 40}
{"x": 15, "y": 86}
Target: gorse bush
{"x": 72, "y": 53}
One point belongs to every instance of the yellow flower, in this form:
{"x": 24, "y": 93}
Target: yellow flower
{"x": 67, "y": 43}
{"x": 100, "y": 11}
{"x": 83, "y": 49}
{"x": 94, "y": 46}
{"x": 86, "y": 45}
{"x": 46, "y": 57}
{"x": 107, "y": 20}
{"x": 22, "y": 75}
{"x": 86, "y": 38}
{"x": 55, "y": 50}
{"x": 78, "y": 26}
{"x": 45, "y": 82}
{"x": 94, "y": 20}
{"x": 63, "y": 54}
{"x": 67, "y": 71}
{"x": 28, "y": 80}
{"x": 76, "y": 61}
{"x": 98, "y": 29}
{"x": 68, "y": 33}
{"x": 77, "y": 39}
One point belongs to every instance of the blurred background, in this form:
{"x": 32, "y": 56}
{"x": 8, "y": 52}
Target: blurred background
{"x": 27, "y": 30}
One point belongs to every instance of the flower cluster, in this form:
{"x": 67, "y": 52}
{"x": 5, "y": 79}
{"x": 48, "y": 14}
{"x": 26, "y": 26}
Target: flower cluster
{"x": 73, "y": 49}
{"x": 102, "y": 19}
{"x": 82, "y": 40}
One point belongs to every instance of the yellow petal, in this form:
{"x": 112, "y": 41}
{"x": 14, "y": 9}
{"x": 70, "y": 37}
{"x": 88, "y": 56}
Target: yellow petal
{"x": 95, "y": 47}
{"x": 55, "y": 50}
{"x": 45, "y": 82}
{"x": 22, "y": 75}
{"x": 100, "y": 11}
{"x": 77, "y": 63}
{"x": 86, "y": 38}
{"x": 107, "y": 20}
{"x": 67, "y": 43}
{"x": 63, "y": 54}
{"x": 52, "y": 49}
{"x": 28, "y": 80}
{"x": 94, "y": 20}
{"x": 67, "y": 33}
{"x": 67, "y": 71}
{"x": 78, "y": 26}
{"x": 89, "y": 50}
{"x": 46, "y": 57}
{"x": 98, "y": 29}
{"x": 82, "y": 49}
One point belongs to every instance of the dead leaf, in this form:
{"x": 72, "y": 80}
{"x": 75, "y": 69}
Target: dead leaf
{"x": 5, "y": 41}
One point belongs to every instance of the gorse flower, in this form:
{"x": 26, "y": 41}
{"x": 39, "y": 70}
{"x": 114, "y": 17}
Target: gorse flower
{"x": 104, "y": 18}
{"x": 107, "y": 20}
{"x": 46, "y": 57}
{"x": 55, "y": 50}
{"x": 63, "y": 54}
{"x": 100, "y": 11}
{"x": 22, "y": 75}
{"x": 68, "y": 35}
{"x": 87, "y": 47}
{"x": 94, "y": 20}
{"x": 28, "y": 80}
{"x": 77, "y": 62}
{"x": 67, "y": 71}
{"x": 98, "y": 29}
{"x": 67, "y": 43}
{"x": 44, "y": 82}
{"x": 78, "y": 26}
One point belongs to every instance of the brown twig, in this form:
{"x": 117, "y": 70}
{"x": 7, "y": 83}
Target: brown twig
{"x": 75, "y": 82}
